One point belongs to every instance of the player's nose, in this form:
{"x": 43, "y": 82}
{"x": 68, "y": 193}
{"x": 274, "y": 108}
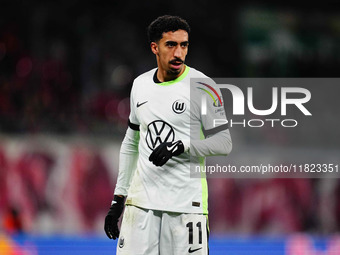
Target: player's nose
{"x": 178, "y": 52}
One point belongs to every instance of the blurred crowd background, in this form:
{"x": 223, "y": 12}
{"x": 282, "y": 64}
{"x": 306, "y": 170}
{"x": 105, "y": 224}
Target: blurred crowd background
{"x": 66, "y": 70}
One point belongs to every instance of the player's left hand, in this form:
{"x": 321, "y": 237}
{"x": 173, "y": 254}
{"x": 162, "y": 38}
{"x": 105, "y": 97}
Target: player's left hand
{"x": 111, "y": 219}
{"x": 166, "y": 151}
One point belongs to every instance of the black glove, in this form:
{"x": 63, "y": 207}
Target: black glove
{"x": 111, "y": 219}
{"x": 165, "y": 151}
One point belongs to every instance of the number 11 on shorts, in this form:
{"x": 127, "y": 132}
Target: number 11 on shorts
{"x": 191, "y": 232}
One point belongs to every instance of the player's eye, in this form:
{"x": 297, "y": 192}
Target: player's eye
{"x": 171, "y": 44}
{"x": 185, "y": 44}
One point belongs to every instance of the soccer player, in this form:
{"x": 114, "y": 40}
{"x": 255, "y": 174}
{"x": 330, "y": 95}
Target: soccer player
{"x": 166, "y": 208}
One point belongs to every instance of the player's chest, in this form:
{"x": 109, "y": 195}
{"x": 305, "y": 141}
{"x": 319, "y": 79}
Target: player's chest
{"x": 163, "y": 103}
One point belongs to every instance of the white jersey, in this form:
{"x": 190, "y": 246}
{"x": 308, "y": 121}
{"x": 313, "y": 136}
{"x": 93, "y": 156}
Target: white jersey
{"x": 163, "y": 112}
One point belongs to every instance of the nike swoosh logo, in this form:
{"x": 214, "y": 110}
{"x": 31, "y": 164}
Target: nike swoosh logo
{"x": 140, "y": 104}
{"x": 191, "y": 251}
{"x": 113, "y": 202}
{"x": 171, "y": 147}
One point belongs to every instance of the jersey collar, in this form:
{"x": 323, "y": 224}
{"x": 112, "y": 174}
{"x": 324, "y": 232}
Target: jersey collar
{"x": 178, "y": 79}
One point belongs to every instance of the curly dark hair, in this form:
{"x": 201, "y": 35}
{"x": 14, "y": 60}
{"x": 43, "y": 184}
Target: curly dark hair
{"x": 165, "y": 24}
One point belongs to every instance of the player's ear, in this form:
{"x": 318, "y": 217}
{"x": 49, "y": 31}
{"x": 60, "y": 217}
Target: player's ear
{"x": 154, "y": 48}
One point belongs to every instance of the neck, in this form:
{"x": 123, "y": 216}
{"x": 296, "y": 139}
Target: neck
{"x": 164, "y": 76}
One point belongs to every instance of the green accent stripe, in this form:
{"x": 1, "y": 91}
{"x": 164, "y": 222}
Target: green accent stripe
{"x": 204, "y": 193}
{"x": 178, "y": 79}
{"x": 203, "y": 181}
{"x": 207, "y": 224}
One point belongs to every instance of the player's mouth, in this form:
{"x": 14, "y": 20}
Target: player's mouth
{"x": 176, "y": 64}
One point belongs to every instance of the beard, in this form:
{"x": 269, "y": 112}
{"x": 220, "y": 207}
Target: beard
{"x": 174, "y": 71}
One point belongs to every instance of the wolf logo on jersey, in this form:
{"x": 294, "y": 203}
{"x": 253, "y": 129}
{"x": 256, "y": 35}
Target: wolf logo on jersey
{"x": 179, "y": 106}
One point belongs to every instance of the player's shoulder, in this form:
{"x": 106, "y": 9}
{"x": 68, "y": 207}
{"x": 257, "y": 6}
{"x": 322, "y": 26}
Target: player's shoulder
{"x": 200, "y": 81}
{"x": 200, "y": 76}
{"x": 196, "y": 74}
{"x": 142, "y": 80}
{"x": 147, "y": 76}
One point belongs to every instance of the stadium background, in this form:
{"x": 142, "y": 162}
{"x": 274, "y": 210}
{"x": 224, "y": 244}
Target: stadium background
{"x": 66, "y": 70}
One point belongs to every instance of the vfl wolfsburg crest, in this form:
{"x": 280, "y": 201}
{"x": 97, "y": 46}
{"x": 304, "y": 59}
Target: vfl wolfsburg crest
{"x": 179, "y": 106}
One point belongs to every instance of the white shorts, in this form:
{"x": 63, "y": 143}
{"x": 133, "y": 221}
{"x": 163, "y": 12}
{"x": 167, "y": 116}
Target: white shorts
{"x": 151, "y": 232}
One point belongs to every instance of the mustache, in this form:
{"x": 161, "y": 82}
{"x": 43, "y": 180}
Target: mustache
{"x": 176, "y": 60}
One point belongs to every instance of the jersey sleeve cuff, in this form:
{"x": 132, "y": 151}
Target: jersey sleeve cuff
{"x": 215, "y": 130}
{"x": 133, "y": 126}
{"x": 186, "y": 144}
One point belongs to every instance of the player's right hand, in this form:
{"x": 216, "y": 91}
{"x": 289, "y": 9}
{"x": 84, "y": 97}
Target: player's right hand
{"x": 111, "y": 219}
{"x": 166, "y": 151}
